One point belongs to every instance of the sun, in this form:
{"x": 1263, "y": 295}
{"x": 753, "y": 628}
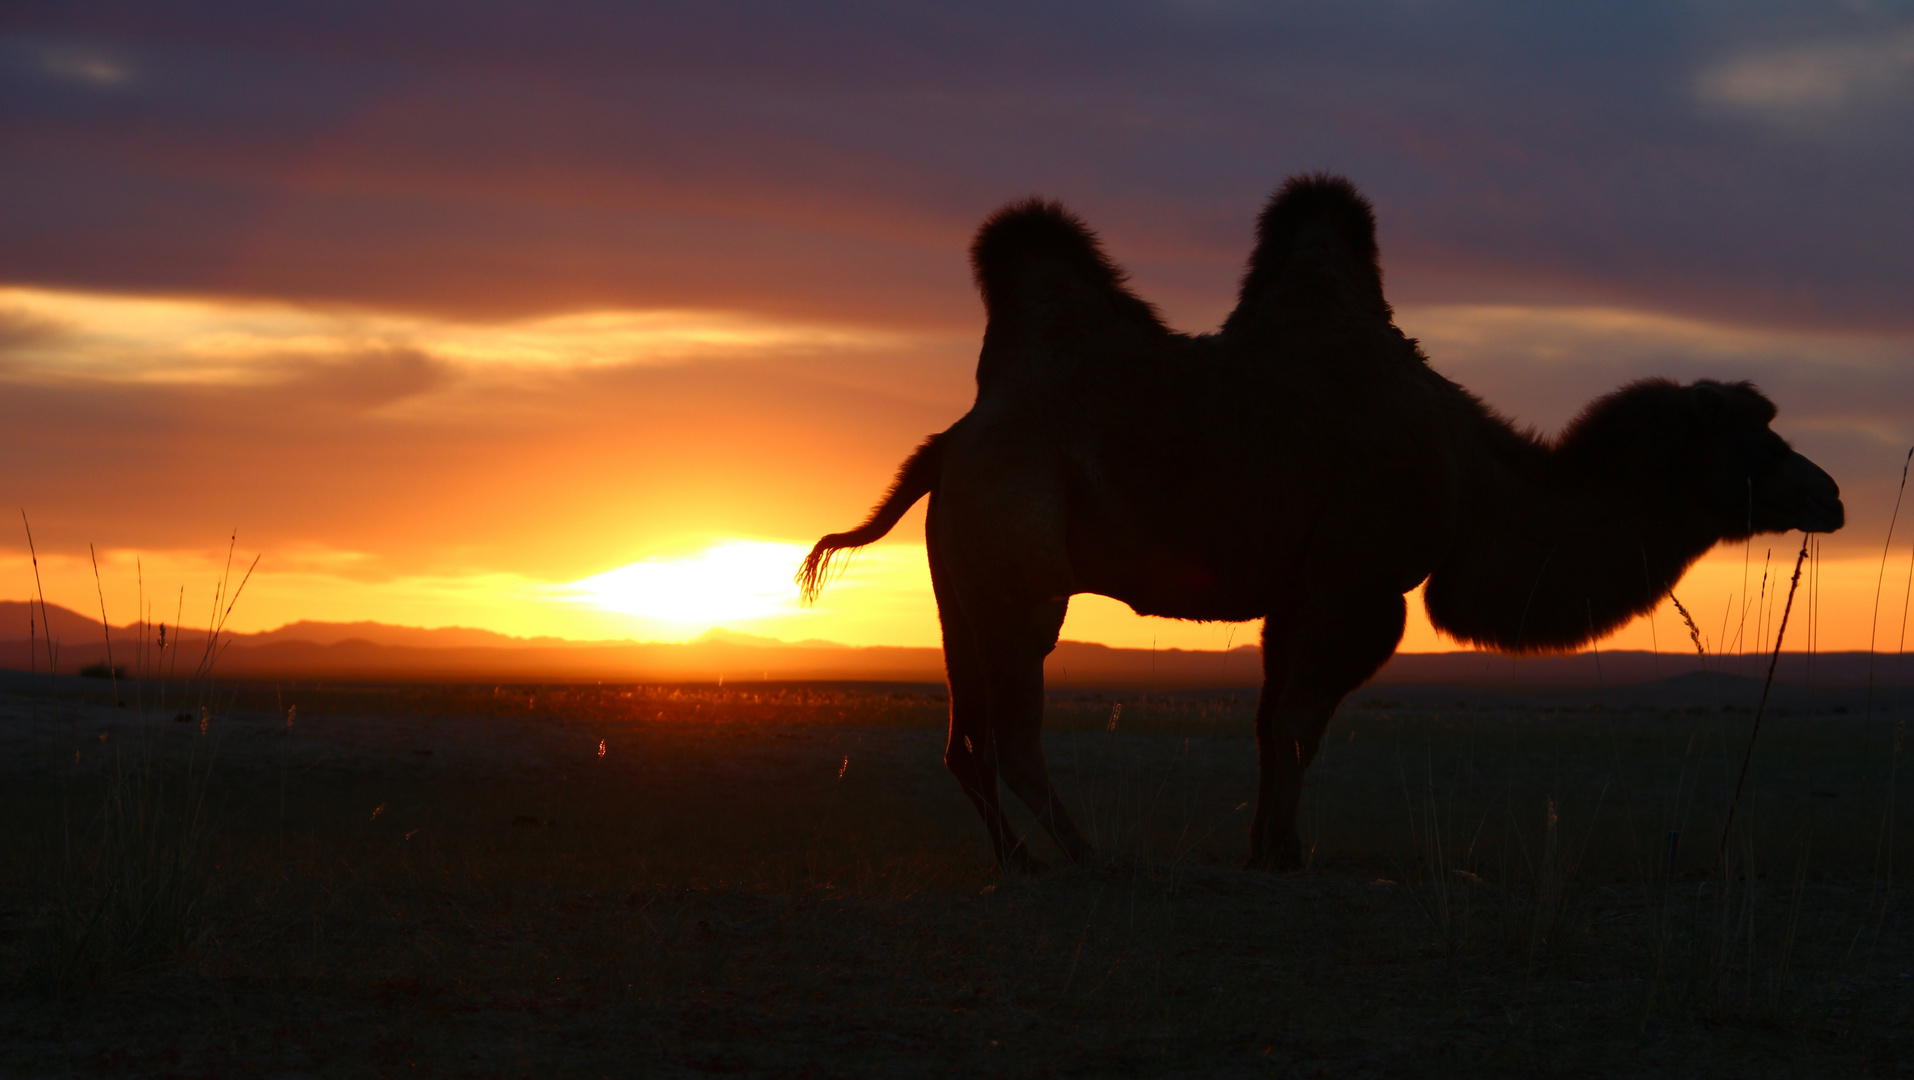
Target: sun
{"x": 727, "y": 581}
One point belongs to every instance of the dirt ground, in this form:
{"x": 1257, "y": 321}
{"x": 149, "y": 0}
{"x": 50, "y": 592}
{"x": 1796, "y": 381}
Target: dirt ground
{"x": 781, "y": 880}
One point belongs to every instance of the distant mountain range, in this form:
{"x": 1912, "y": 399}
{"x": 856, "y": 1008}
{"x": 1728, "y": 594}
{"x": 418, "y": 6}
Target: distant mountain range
{"x": 375, "y": 651}
{"x": 74, "y": 628}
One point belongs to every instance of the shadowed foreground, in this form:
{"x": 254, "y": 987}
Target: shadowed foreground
{"x": 778, "y": 881}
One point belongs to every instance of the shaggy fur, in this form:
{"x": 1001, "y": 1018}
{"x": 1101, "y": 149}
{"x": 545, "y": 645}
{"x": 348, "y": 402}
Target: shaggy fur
{"x": 1304, "y": 465}
{"x": 1317, "y": 236}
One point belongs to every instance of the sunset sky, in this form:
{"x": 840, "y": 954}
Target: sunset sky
{"x": 586, "y": 319}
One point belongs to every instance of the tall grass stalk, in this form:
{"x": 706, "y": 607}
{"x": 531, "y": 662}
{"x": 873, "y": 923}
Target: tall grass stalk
{"x": 132, "y": 880}
{"x": 129, "y": 862}
{"x": 1446, "y": 897}
{"x": 106, "y": 628}
{"x": 1884, "y": 842}
{"x": 1754, "y": 731}
{"x": 216, "y": 625}
{"x": 1555, "y": 907}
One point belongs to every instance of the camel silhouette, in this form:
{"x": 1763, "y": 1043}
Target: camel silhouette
{"x": 1303, "y": 465}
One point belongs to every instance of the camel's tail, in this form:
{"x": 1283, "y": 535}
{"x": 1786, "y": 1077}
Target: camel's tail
{"x": 914, "y": 481}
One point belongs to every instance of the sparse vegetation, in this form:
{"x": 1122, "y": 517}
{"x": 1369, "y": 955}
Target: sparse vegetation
{"x": 129, "y": 866}
{"x": 779, "y": 880}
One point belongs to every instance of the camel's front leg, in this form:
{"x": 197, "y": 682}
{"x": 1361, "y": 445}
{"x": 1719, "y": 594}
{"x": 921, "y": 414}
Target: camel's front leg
{"x": 1289, "y": 730}
{"x": 1309, "y": 665}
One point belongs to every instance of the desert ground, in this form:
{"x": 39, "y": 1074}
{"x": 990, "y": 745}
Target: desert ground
{"x": 780, "y": 880}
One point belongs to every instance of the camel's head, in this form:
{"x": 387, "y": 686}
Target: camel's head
{"x": 1710, "y": 447}
{"x": 1751, "y": 477}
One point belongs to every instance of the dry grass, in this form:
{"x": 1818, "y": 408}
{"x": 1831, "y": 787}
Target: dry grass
{"x": 783, "y": 882}
{"x": 130, "y": 868}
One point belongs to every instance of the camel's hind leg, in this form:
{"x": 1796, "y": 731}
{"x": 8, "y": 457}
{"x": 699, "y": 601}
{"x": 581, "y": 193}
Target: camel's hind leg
{"x": 1014, "y": 644}
{"x": 970, "y": 753}
{"x": 1002, "y": 573}
{"x": 1311, "y": 660}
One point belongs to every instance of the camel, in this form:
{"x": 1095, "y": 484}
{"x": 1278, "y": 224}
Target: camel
{"x": 1303, "y": 465}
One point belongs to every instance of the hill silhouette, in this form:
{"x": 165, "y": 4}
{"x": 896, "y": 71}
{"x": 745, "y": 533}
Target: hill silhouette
{"x": 378, "y": 651}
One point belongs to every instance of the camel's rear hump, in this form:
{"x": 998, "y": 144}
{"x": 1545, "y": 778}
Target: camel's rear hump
{"x": 1047, "y": 284}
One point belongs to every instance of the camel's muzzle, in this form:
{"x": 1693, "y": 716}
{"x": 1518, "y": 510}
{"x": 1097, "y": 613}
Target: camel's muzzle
{"x": 1798, "y": 494}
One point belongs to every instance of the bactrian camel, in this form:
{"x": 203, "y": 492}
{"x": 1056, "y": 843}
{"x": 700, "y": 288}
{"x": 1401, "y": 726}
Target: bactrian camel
{"x": 1303, "y": 465}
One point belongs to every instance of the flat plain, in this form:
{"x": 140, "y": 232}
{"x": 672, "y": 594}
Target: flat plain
{"x": 780, "y": 880}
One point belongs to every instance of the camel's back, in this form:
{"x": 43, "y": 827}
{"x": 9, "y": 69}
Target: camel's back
{"x": 1202, "y": 474}
{"x": 1251, "y": 463}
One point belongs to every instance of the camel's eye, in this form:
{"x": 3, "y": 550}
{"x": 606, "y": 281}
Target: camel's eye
{"x": 1759, "y": 452}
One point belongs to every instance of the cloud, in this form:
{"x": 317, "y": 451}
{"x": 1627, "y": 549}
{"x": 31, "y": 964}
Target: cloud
{"x": 1801, "y": 82}
{"x": 77, "y": 63}
{"x": 538, "y": 296}
{"x": 1565, "y": 347}
{"x": 23, "y": 329}
{"x": 830, "y": 167}
{"x": 550, "y": 448}
{"x": 371, "y": 379}
{"x": 55, "y": 336}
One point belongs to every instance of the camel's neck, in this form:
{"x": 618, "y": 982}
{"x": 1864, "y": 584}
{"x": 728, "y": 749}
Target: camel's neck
{"x": 1558, "y": 548}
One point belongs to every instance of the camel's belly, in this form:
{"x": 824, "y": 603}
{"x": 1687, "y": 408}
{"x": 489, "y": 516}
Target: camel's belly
{"x": 1249, "y": 568}
{"x": 1182, "y": 585}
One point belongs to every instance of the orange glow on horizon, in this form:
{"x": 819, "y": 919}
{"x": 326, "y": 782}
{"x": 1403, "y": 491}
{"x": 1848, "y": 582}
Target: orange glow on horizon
{"x": 652, "y": 475}
{"x": 884, "y": 598}
{"x": 727, "y": 581}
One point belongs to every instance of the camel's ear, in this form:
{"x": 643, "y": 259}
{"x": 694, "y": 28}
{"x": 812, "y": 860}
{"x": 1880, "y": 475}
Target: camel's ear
{"x": 1040, "y": 268}
{"x": 1315, "y": 255}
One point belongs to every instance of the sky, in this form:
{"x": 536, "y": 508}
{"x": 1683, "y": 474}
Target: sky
{"x": 587, "y": 318}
